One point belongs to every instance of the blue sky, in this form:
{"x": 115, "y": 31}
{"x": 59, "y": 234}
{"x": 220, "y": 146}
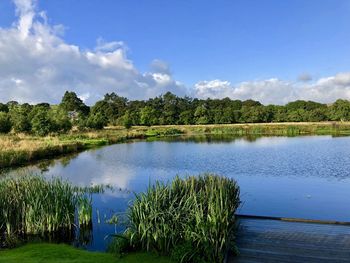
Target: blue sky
{"x": 231, "y": 41}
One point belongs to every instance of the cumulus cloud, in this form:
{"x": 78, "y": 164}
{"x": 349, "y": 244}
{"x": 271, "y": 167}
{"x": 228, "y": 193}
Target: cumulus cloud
{"x": 38, "y": 65}
{"x": 276, "y": 91}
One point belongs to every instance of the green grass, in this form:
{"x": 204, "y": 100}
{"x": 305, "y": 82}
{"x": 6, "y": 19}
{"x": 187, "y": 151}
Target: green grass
{"x": 53, "y": 253}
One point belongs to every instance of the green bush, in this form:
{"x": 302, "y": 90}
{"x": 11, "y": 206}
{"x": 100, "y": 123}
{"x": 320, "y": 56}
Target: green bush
{"x": 41, "y": 123}
{"x": 60, "y": 120}
{"x": 198, "y": 210}
{"x": 96, "y": 121}
{"x": 20, "y": 119}
{"x": 5, "y": 123}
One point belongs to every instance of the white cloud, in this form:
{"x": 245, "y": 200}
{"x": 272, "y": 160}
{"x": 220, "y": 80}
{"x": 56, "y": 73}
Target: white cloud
{"x": 276, "y": 91}
{"x": 38, "y": 65}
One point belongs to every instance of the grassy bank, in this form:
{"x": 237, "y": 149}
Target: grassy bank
{"x": 21, "y": 149}
{"x": 278, "y": 129}
{"x": 52, "y": 253}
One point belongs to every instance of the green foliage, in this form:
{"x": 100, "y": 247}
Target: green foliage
{"x": 340, "y": 110}
{"x": 201, "y": 115}
{"x": 4, "y": 107}
{"x": 167, "y": 109}
{"x": 60, "y": 120}
{"x": 198, "y": 210}
{"x": 20, "y": 118}
{"x": 96, "y": 121}
{"x": 120, "y": 245}
{"x": 186, "y": 252}
{"x": 186, "y": 117}
{"x": 148, "y": 116}
{"x": 71, "y": 102}
{"x": 127, "y": 120}
{"x": 5, "y": 123}
{"x": 41, "y": 122}
{"x": 33, "y": 205}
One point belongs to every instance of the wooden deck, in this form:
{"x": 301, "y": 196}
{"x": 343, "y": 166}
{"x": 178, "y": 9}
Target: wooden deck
{"x": 264, "y": 240}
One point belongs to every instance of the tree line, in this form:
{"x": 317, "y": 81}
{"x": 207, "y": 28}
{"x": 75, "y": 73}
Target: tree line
{"x": 168, "y": 109}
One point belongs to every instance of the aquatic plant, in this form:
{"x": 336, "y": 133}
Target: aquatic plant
{"x": 199, "y": 211}
{"x": 32, "y": 205}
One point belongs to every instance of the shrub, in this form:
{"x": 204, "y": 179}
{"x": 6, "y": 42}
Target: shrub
{"x": 197, "y": 210}
{"x": 96, "y": 121}
{"x": 60, "y": 120}
{"x": 41, "y": 123}
{"x": 20, "y": 119}
{"x": 5, "y": 123}
{"x": 127, "y": 121}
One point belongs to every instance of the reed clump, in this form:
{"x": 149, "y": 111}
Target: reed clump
{"x": 31, "y": 205}
{"x": 192, "y": 219}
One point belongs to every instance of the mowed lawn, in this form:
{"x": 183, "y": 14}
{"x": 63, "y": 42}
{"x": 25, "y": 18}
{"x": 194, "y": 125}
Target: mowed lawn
{"x": 60, "y": 253}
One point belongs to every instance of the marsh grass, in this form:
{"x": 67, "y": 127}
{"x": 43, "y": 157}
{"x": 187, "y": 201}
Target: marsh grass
{"x": 31, "y": 205}
{"x": 193, "y": 219}
{"x": 21, "y": 149}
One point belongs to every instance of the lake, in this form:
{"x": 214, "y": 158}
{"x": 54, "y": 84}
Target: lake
{"x": 303, "y": 177}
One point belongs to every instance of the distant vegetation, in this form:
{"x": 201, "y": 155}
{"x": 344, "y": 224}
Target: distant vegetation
{"x": 34, "y": 132}
{"x": 168, "y": 109}
{"x": 192, "y": 219}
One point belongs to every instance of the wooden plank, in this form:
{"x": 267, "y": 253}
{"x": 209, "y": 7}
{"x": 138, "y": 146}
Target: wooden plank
{"x": 292, "y": 219}
{"x": 271, "y": 240}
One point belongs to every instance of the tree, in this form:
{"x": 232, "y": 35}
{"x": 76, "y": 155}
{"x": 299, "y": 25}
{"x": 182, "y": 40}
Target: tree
{"x": 186, "y": 117}
{"x": 71, "y": 102}
{"x": 4, "y": 108}
{"x": 112, "y": 107}
{"x": 20, "y": 118}
{"x": 5, "y": 123}
{"x": 148, "y": 116}
{"x": 251, "y": 103}
{"x": 317, "y": 115}
{"x": 297, "y": 115}
{"x": 304, "y": 105}
{"x": 340, "y": 110}
{"x": 228, "y": 115}
{"x": 41, "y": 122}
{"x": 170, "y": 110}
{"x": 201, "y": 115}
{"x": 60, "y": 120}
{"x": 96, "y": 121}
{"x": 127, "y": 121}
{"x": 255, "y": 114}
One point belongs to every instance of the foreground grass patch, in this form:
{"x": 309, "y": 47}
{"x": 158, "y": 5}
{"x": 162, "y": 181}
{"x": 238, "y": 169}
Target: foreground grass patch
{"x": 52, "y": 253}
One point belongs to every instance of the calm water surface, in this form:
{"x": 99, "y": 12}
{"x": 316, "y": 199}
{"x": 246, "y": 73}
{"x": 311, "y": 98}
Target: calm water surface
{"x": 305, "y": 177}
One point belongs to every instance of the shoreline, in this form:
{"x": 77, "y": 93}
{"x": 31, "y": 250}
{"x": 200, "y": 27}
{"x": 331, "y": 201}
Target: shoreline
{"x": 19, "y": 150}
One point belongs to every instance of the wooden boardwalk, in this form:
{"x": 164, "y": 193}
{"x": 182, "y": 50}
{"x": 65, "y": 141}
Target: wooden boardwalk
{"x": 264, "y": 240}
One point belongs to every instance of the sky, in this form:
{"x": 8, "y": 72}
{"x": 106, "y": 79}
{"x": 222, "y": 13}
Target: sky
{"x": 269, "y": 50}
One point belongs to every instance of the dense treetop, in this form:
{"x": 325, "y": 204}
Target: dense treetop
{"x": 167, "y": 109}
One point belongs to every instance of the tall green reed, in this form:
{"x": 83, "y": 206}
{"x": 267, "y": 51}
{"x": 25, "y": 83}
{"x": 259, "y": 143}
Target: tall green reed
{"x": 32, "y": 205}
{"x": 197, "y": 213}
